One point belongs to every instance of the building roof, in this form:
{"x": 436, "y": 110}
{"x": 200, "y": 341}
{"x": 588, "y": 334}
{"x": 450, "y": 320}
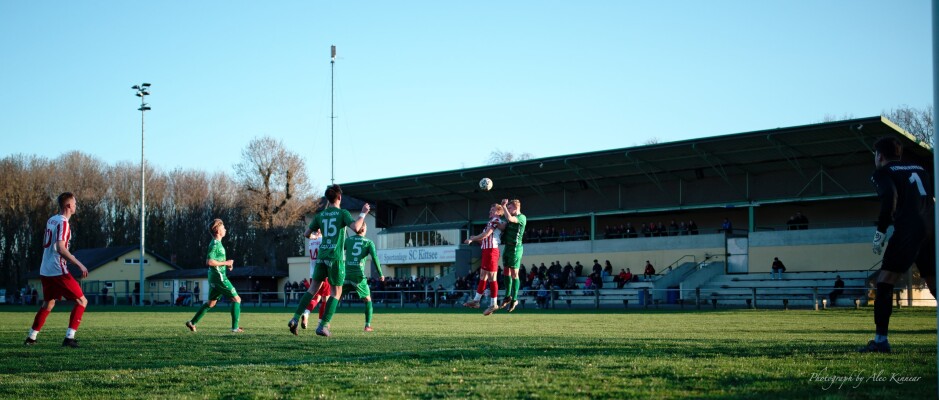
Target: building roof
{"x": 804, "y": 149}
{"x": 95, "y": 258}
{"x": 237, "y": 272}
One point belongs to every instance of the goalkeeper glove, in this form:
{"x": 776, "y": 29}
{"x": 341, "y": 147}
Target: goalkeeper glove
{"x": 878, "y": 244}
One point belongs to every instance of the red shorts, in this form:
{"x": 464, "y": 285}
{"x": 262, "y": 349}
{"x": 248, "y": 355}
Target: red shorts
{"x": 324, "y": 291}
{"x": 57, "y": 287}
{"x": 490, "y": 260}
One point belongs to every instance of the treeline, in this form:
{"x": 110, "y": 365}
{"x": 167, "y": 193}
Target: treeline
{"x": 263, "y": 214}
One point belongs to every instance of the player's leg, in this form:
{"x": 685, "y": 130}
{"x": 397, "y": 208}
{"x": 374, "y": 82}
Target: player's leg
{"x": 236, "y": 313}
{"x": 493, "y": 292}
{"x": 898, "y": 257}
{"x": 71, "y": 290}
{"x": 320, "y": 273}
{"x": 926, "y": 263}
{"x": 516, "y": 284}
{"x": 215, "y": 293}
{"x": 362, "y": 290}
{"x": 337, "y": 275}
{"x": 310, "y": 307}
{"x": 50, "y": 293}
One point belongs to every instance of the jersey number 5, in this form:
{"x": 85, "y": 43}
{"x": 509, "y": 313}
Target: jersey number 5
{"x": 914, "y": 178}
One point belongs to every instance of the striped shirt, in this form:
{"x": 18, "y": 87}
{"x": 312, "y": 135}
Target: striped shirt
{"x": 57, "y": 230}
{"x": 492, "y": 241}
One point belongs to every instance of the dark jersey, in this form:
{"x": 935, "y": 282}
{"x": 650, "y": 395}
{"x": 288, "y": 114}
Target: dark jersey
{"x": 906, "y": 196}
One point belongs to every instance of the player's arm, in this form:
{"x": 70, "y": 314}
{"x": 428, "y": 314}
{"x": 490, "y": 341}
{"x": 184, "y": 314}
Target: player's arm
{"x": 313, "y": 227}
{"x": 374, "y": 254}
{"x": 62, "y": 247}
{"x": 209, "y": 261}
{"x": 357, "y": 224}
{"x": 486, "y": 233}
{"x": 887, "y": 192}
{"x": 505, "y": 211}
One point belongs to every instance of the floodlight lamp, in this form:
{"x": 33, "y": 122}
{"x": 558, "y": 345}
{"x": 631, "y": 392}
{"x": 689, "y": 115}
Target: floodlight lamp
{"x": 144, "y": 108}
{"x": 146, "y": 85}
{"x": 136, "y": 87}
{"x": 145, "y": 93}
{"x": 138, "y": 94}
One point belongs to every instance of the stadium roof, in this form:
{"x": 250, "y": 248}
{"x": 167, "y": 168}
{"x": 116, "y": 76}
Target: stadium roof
{"x": 807, "y": 147}
{"x": 237, "y": 272}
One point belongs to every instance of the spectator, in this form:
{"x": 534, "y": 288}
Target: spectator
{"x": 287, "y": 290}
{"x": 683, "y": 228}
{"x": 802, "y": 222}
{"x": 727, "y": 226}
{"x": 839, "y": 290}
{"x": 629, "y": 276}
{"x": 195, "y": 293}
{"x": 33, "y": 297}
{"x": 692, "y": 227}
{"x": 673, "y": 228}
{"x": 791, "y": 224}
{"x": 778, "y": 268}
{"x": 104, "y": 295}
{"x": 542, "y": 297}
{"x": 136, "y": 294}
{"x": 620, "y": 279}
{"x": 650, "y": 271}
{"x": 571, "y": 282}
{"x": 589, "y": 286}
{"x": 629, "y": 231}
{"x": 646, "y": 230}
{"x": 596, "y": 267}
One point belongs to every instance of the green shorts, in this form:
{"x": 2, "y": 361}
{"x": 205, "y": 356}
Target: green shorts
{"x": 335, "y": 270}
{"x": 512, "y": 256}
{"x": 359, "y": 283}
{"x": 219, "y": 289}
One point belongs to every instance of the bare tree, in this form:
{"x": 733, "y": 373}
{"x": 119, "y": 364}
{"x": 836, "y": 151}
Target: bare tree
{"x": 277, "y": 192}
{"x": 917, "y": 122}
{"x": 502, "y": 157}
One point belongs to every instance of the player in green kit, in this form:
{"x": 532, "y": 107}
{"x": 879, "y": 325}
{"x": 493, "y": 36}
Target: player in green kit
{"x": 219, "y": 285}
{"x": 512, "y": 231}
{"x": 358, "y": 248}
{"x": 330, "y": 262}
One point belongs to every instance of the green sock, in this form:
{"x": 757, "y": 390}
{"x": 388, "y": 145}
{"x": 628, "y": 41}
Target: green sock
{"x": 304, "y": 301}
{"x": 368, "y": 313}
{"x": 199, "y": 314}
{"x": 235, "y": 314}
{"x": 516, "y": 283}
{"x": 330, "y": 310}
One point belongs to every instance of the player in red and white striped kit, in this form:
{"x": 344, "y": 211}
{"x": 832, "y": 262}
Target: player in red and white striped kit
{"x": 489, "y": 239}
{"x": 313, "y": 248}
{"x": 56, "y": 280}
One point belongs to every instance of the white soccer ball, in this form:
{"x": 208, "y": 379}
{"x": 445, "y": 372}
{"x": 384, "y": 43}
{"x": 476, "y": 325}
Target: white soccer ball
{"x": 485, "y": 184}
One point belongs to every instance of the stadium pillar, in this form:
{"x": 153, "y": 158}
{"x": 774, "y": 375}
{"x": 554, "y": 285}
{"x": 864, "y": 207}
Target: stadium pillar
{"x": 751, "y": 223}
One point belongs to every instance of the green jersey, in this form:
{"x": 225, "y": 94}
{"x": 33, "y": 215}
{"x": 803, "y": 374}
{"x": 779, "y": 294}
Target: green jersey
{"x": 217, "y": 253}
{"x": 358, "y": 248}
{"x": 514, "y": 231}
{"x": 332, "y": 222}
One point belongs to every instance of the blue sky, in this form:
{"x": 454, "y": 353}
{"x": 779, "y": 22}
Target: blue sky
{"x": 433, "y": 85}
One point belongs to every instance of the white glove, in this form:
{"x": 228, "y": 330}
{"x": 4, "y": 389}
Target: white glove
{"x": 878, "y": 244}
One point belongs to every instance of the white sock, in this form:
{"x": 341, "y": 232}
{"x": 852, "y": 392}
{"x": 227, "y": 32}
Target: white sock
{"x": 306, "y": 313}
{"x": 880, "y": 338}
{"x": 70, "y": 333}
{"x": 478, "y": 296}
{"x": 33, "y": 334}
{"x": 495, "y": 301}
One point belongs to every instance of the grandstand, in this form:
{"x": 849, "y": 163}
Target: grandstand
{"x": 755, "y": 180}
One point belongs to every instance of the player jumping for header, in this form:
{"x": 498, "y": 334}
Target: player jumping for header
{"x": 489, "y": 239}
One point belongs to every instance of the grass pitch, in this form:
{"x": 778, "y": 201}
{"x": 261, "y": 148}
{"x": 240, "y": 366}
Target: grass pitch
{"x": 148, "y": 353}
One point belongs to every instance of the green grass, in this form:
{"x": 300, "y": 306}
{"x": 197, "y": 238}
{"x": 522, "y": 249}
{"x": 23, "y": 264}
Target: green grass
{"x": 134, "y": 353}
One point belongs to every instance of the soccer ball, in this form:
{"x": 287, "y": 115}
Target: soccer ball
{"x": 485, "y": 184}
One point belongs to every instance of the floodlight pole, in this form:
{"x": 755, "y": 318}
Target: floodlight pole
{"x": 143, "y": 90}
{"x": 332, "y": 115}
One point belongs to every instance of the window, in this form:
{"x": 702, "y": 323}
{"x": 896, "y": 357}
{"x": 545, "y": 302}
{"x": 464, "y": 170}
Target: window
{"x": 403, "y": 272}
{"x": 136, "y": 261}
{"x": 109, "y": 285}
{"x": 153, "y": 285}
{"x": 428, "y": 272}
{"x": 167, "y": 284}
